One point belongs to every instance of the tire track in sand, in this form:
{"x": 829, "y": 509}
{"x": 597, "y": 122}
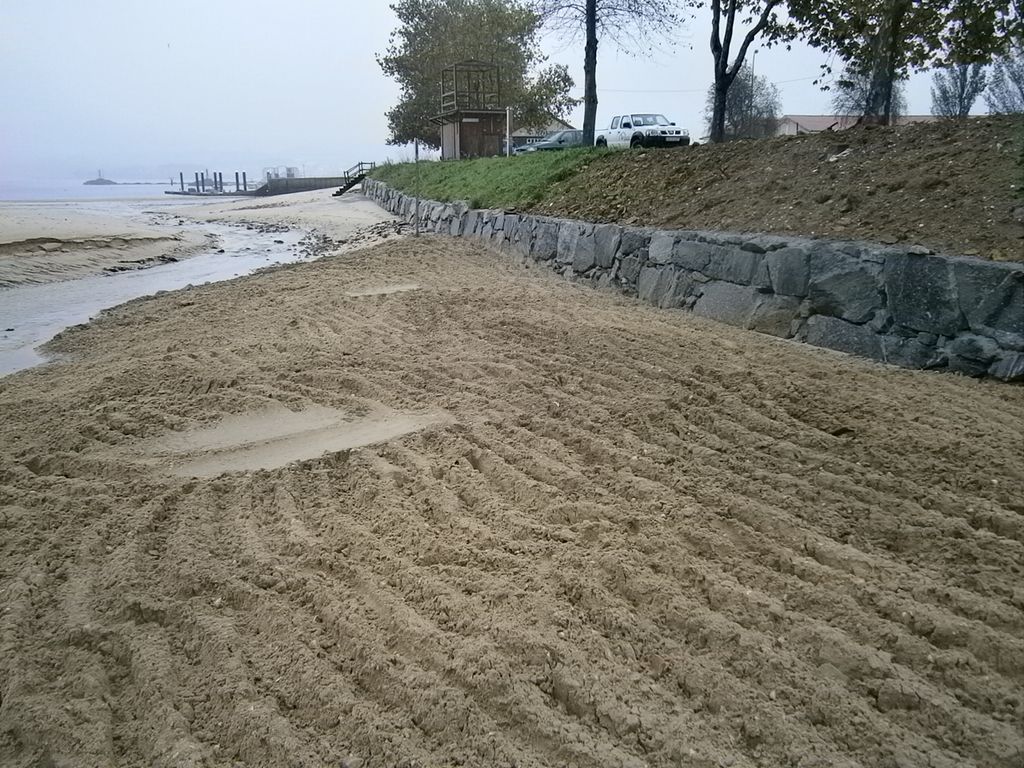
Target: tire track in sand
{"x": 645, "y": 539}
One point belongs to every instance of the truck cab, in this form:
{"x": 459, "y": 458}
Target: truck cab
{"x": 642, "y": 129}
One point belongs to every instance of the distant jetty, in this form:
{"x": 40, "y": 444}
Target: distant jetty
{"x": 99, "y": 180}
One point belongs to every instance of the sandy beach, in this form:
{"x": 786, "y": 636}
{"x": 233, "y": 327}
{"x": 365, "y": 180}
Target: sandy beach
{"x": 42, "y": 242}
{"x": 419, "y": 504}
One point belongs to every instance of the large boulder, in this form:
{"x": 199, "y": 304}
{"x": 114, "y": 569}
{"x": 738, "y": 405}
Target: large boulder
{"x": 634, "y": 240}
{"x": 663, "y": 286}
{"x": 607, "y": 238}
{"x": 842, "y": 286}
{"x": 833, "y": 333}
{"x": 660, "y": 249}
{"x": 728, "y": 303}
{"x": 734, "y": 265}
{"x": 584, "y": 256}
{"x": 774, "y": 315}
{"x": 910, "y": 352}
{"x": 788, "y": 270}
{"x": 921, "y": 293}
{"x": 629, "y": 269}
{"x": 545, "y": 241}
{"x": 991, "y": 296}
{"x": 1010, "y": 367}
{"x": 568, "y": 235}
{"x": 694, "y": 255}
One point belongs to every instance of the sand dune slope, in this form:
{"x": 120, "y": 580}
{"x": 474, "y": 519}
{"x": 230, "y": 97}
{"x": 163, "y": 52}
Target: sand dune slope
{"x": 562, "y": 529}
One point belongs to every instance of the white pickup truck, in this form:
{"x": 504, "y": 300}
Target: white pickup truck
{"x": 641, "y": 129}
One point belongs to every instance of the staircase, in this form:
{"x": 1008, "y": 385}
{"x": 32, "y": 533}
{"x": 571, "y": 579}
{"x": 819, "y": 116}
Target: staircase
{"x": 353, "y": 176}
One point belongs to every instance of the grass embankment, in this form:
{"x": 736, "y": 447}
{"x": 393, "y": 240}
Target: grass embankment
{"x": 489, "y": 182}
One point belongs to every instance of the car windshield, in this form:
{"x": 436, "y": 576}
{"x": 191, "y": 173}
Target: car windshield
{"x": 557, "y": 135}
{"x": 649, "y": 120}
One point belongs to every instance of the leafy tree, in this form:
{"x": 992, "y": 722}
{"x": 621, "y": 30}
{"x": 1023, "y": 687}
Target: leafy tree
{"x": 766, "y": 21}
{"x": 1005, "y": 93}
{"x": 626, "y": 22}
{"x": 852, "y": 95}
{"x": 752, "y": 107}
{"x": 434, "y": 34}
{"x": 955, "y": 89}
{"x": 889, "y": 38}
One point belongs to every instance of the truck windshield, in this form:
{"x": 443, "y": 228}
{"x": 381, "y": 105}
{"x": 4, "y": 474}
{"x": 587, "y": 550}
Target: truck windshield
{"x": 649, "y": 120}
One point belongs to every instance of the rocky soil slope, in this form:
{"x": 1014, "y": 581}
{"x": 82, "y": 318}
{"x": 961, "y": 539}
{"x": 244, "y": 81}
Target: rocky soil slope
{"x": 952, "y": 186}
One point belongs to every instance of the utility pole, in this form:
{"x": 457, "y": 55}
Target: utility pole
{"x": 750, "y": 103}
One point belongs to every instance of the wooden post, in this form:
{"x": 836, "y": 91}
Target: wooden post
{"x": 202, "y": 181}
{"x": 236, "y": 182}
{"x": 197, "y": 182}
{"x": 416, "y": 195}
{"x": 181, "y": 180}
{"x": 245, "y": 182}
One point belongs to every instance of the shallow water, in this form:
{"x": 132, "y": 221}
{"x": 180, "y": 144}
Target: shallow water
{"x": 33, "y": 314}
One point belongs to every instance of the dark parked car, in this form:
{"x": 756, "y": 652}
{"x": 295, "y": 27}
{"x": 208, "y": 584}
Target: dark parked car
{"x": 557, "y": 140}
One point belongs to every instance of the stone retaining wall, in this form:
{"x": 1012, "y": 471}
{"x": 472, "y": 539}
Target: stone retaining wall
{"x": 897, "y": 304}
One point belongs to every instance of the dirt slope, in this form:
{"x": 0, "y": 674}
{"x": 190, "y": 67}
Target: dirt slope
{"x": 638, "y": 538}
{"x": 954, "y": 187}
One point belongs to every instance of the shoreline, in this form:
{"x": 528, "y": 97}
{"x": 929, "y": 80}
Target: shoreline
{"x": 51, "y": 241}
{"x": 95, "y": 259}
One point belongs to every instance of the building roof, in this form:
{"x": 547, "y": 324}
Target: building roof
{"x": 816, "y": 123}
{"x": 554, "y": 124}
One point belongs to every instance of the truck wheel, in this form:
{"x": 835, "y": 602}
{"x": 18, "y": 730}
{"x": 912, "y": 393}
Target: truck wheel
{"x": 636, "y": 142}
{"x": 602, "y": 144}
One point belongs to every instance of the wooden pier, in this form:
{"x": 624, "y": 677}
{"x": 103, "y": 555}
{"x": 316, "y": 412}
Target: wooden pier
{"x": 214, "y": 186}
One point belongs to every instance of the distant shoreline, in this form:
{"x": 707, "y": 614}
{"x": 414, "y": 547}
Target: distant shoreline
{"x": 107, "y": 183}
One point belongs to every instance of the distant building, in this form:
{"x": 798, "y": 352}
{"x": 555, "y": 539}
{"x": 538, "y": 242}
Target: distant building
{"x": 795, "y": 125}
{"x": 527, "y": 135}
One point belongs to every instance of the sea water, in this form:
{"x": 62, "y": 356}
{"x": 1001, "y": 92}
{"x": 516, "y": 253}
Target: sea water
{"x": 32, "y": 314}
{"x": 40, "y": 190}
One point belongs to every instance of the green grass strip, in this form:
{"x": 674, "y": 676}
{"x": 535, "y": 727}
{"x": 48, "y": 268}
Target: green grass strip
{"x": 488, "y": 182}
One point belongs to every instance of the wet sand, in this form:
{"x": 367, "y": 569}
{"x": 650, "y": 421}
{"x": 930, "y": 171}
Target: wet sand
{"x": 43, "y": 242}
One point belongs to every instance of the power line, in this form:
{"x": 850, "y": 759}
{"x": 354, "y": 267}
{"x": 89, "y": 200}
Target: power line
{"x": 697, "y": 90}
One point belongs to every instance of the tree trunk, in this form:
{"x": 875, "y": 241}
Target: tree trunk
{"x": 718, "y": 109}
{"x": 590, "y": 75}
{"x": 879, "y": 106}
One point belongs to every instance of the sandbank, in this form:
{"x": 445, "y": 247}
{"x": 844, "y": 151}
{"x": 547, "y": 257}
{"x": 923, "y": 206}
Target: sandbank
{"x": 42, "y": 242}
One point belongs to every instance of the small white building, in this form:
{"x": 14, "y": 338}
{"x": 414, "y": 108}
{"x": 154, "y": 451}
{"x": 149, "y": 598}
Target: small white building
{"x": 796, "y": 125}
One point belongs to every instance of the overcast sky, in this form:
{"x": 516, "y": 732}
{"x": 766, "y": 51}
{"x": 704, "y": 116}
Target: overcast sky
{"x": 143, "y": 89}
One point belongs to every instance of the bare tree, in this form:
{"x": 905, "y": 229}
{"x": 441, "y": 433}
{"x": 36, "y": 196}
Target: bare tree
{"x": 630, "y": 23}
{"x": 956, "y": 88}
{"x": 751, "y": 108}
{"x": 763, "y": 15}
{"x": 1005, "y": 95}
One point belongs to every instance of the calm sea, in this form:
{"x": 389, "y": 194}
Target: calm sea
{"x": 76, "y": 190}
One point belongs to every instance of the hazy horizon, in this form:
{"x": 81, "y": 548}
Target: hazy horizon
{"x": 145, "y": 91}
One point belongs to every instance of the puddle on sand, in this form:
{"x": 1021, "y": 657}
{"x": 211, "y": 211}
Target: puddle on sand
{"x": 33, "y": 314}
{"x": 276, "y": 436}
